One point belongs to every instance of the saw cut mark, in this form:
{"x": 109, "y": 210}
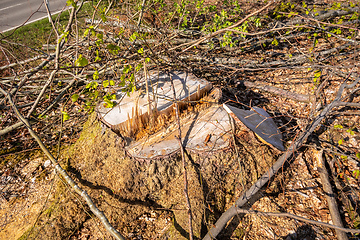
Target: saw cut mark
{"x": 260, "y": 122}
{"x": 197, "y": 128}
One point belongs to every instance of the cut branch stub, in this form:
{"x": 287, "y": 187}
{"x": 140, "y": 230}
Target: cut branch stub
{"x": 258, "y": 121}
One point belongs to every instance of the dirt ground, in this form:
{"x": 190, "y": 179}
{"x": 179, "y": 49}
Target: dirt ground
{"x": 145, "y": 199}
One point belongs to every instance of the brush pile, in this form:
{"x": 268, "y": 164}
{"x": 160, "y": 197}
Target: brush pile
{"x": 294, "y": 59}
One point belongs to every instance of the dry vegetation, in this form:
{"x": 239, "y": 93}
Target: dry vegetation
{"x": 297, "y": 59}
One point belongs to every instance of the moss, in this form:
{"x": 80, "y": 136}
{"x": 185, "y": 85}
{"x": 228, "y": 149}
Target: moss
{"x": 25, "y": 235}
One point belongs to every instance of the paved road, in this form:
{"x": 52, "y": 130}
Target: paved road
{"x": 15, "y": 13}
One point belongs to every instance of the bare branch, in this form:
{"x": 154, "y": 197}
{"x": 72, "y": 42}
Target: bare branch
{"x": 191, "y": 234}
{"x": 329, "y": 194}
{"x": 289, "y": 215}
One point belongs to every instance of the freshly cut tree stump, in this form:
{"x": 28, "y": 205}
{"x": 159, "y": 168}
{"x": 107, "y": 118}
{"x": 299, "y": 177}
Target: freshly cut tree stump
{"x": 144, "y": 170}
{"x": 205, "y": 129}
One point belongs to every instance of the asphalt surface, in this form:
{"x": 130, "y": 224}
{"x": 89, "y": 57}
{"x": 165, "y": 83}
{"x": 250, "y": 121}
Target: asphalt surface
{"x": 15, "y": 13}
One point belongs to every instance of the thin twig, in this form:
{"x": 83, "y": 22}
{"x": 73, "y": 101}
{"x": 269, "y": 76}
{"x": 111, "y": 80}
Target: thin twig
{"x": 141, "y": 12}
{"x": 183, "y": 162}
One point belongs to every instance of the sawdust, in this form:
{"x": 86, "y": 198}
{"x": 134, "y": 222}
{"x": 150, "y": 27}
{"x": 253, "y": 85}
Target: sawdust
{"x": 144, "y": 199}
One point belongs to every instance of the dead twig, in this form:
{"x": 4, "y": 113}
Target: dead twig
{"x": 289, "y": 215}
{"x": 329, "y": 194}
{"x": 183, "y": 162}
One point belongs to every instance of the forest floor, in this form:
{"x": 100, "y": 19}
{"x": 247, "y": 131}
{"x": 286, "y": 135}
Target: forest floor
{"x": 293, "y": 75}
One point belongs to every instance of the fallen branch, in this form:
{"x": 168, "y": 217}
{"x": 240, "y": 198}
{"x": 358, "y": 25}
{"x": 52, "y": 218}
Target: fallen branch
{"x": 10, "y": 128}
{"x": 64, "y": 174}
{"x": 329, "y": 195}
{"x": 278, "y": 91}
{"x": 21, "y": 62}
{"x": 246, "y": 64}
{"x": 231, "y": 212}
{"x": 289, "y": 215}
{"x": 56, "y": 100}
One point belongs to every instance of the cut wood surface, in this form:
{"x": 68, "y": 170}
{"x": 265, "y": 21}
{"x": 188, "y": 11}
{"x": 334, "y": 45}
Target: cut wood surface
{"x": 134, "y": 108}
{"x": 207, "y": 131}
{"x": 259, "y": 121}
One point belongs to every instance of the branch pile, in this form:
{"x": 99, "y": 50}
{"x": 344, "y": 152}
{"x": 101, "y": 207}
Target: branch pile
{"x": 293, "y": 53}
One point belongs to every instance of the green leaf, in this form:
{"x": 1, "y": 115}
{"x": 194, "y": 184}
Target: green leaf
{"x": 127, "y": 69}
{"x": 341, "y": 141}
{"x": 350, "y": 131}
{"x": 317, "y": 74}
{"x": 81, "y": 61}
{"x": 343, "y": 157}
{"x": 338, "y": 126}
{"x": 275, "y": 42}
{"x": 65, "y": 116}
{"x": 71, "y": 2}
{"x": 138, "y": 67}
{"x": 132, "y": 38}
{"x": 96, "y": 75}
{"x": 141, "y": 51}
{"x": 108, "y": 100}
{"x": 109, "y": 104}
{"x": 316, "y": 42}
{"x": 74, "y": 97}
{"x": 86, "y": 32}
{"x": 106, "y": 83}
{"x": 356, "y": 173}
{"x": 112, "y": 83}
{"x": 103, "y": 17}
{"x": 113, "y": 49}
{"x": 358, "y": 155}
{"x": 100, "y": 36}
{"x": 92, "y": 85}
